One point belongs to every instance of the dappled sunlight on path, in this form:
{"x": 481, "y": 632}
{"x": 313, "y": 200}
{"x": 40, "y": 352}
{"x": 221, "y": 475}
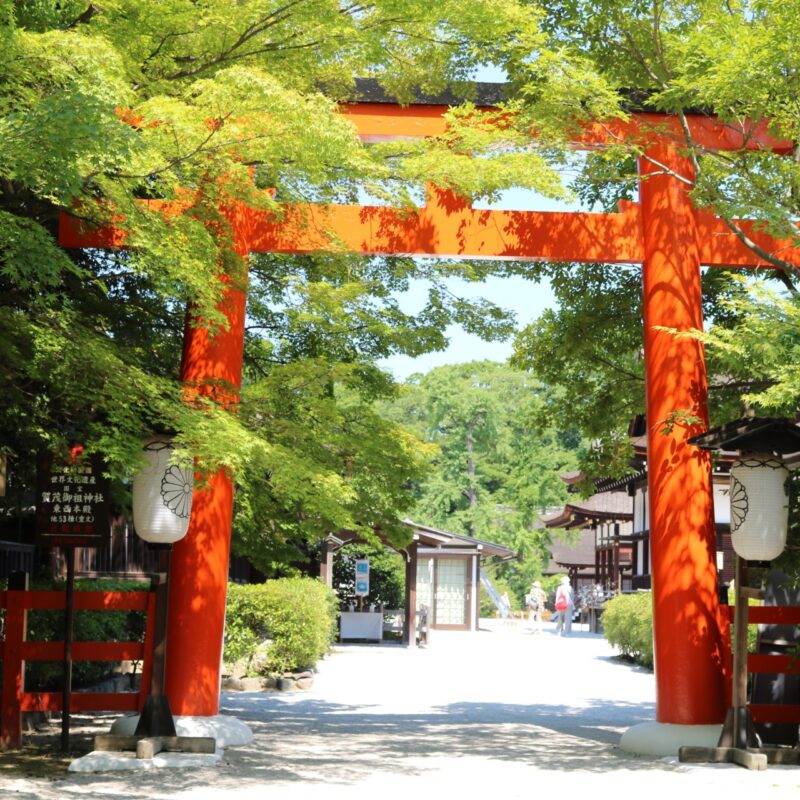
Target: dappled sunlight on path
{"x": 498, "y": 713}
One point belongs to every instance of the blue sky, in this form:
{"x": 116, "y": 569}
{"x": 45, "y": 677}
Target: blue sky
{"x": 525, "y": 298}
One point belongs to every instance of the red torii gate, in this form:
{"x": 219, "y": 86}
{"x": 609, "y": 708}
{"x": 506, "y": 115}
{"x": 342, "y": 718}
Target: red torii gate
{"x": 663, "y": 232}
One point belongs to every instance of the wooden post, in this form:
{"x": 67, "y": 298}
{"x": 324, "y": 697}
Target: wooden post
{"x": 70, "y": 555}
{"x": 156, "y": 717}
{"x": 739, "y": 699}
{"x": 149, "y": 646}
{"x": 326, "y": 563}
{"x": 410, "y": 623}
{"x": 211, "y": 367}
{"x": 738, "y": 743}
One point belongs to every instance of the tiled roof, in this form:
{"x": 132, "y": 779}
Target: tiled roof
{"x": 577, "y": 553}
{"x": 600, "y": 506}
{"x": 433, "y": 537}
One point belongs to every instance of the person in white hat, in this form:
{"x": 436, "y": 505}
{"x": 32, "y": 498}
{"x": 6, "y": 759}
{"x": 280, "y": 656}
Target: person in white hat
{"x": 565, "y": 606}
{"x": 536, "y": 601}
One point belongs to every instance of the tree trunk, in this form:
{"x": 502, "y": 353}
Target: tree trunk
{"x": 472, "y": 490}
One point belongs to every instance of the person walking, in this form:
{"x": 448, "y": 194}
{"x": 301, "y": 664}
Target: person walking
{"x": 565, "y": 606}
{"x": 536, "y": 602}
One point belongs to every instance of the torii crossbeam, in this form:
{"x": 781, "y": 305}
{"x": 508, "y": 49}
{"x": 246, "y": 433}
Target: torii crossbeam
{"x": 663, "y": 232}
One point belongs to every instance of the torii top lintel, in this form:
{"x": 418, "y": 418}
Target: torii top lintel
{"x": 447, "y": 227}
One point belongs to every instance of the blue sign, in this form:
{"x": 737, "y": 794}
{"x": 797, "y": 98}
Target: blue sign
{"x": 362, "y": 577}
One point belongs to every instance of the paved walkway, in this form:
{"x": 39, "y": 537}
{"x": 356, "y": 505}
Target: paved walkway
{"x": 496, "y": 714}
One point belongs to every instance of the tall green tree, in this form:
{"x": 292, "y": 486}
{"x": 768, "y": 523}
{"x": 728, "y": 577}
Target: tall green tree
{"x": 316, "y": 327}
{"x": 200, "y": 103}
{"x": 729, "y": 61}
{"x": 499, "y": 460}
{"x": 589, "y": 347}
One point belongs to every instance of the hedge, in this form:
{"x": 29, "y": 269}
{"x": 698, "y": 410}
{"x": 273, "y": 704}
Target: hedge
{"x": 628, "y": 626}
{"x": 297, "y": 615}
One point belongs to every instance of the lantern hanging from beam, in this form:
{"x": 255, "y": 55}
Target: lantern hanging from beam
{"x": 759, "y": 506}
{"x": 162, "y": 494}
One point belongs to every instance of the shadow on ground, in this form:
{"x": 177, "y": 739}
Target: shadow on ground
{"x": 421, "y": 725}
{"x": 313, "y": 740}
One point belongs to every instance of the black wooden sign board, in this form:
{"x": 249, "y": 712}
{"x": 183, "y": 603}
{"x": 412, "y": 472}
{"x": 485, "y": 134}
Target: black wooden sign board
{"x": 72, "y": 503}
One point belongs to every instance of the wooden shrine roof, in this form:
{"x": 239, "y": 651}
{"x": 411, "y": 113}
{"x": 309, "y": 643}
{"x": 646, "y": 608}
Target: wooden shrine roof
{"x": 576, "y": 554}
{"x": 429, "y": 537}
{"x": 433, "y": 537}
{"x": 603, "y": 506}
{"x": 368, "y": 90}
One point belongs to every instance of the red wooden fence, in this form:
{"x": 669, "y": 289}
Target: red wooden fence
{"x": 15, "y": 651}
{"x": 783, "y": 615}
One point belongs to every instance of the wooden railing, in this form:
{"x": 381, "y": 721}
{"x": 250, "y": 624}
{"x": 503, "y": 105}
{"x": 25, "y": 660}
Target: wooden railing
{"x": 127, "y": 557}
{"x": 131, "y": 557}
{"x": 15, "y": 557}
{"x": 773, "y": 664}
{"x": 15, "y": 651}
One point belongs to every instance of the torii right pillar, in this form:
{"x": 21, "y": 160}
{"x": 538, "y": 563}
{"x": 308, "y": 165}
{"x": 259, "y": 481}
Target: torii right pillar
{"x": 690, "y": 660}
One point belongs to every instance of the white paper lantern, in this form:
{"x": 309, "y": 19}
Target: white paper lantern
{"x": 759, "y": 507}
{"x": 162, "y": 495}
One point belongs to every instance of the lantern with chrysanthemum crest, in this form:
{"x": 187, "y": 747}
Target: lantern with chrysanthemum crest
{"x": 162, "y": 494}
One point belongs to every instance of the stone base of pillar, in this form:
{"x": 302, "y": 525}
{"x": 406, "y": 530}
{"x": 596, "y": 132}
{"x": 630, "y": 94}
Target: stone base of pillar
{"x": 227, "y": 730}
{"x": 665, "y": 739}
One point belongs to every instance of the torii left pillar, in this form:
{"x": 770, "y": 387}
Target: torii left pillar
{"x": 211, "y": 366}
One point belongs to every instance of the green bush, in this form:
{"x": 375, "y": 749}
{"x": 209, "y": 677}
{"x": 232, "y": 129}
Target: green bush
{"x": 298, "y": 615}
{"x": 752, "y": 630}
{"x": 244, "y": 622}
{"x": 628, "y": 626}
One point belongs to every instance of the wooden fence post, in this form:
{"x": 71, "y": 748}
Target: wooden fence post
{"x": 149, "y": 639}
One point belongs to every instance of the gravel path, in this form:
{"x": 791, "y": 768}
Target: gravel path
{"x": 497, "y": 714}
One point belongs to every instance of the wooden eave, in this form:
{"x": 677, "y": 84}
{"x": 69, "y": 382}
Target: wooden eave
{"x": 577, "y": 554}
{"x": 600, "y": 507}
{"x": 762, "y": 434}
{"x": 433, "y": 537}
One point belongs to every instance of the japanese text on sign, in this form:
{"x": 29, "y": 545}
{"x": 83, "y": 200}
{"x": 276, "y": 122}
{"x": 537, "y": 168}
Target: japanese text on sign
{"x": 72, "y": 503}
